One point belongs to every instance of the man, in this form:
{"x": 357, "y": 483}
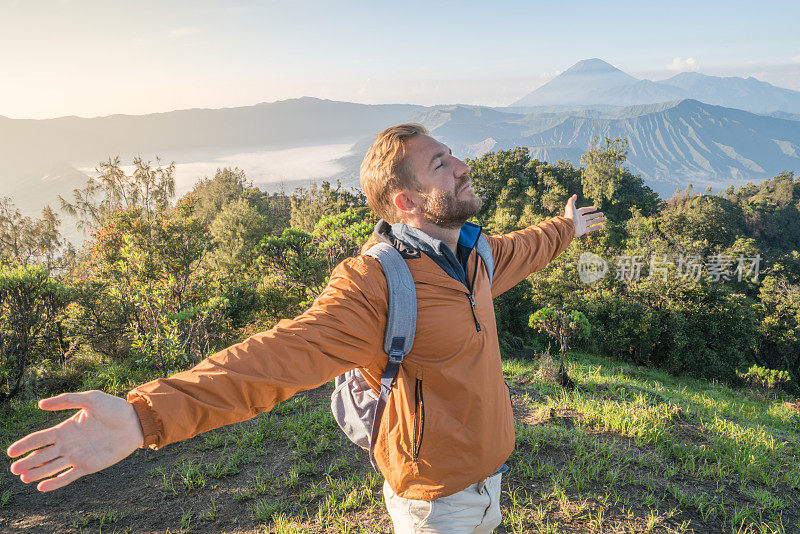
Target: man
{"x": 448, "y": 427}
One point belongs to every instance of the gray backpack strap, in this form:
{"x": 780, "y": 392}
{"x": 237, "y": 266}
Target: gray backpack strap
{"x": 402, "y": 321}
{"x": 485, "y": 252}
{"x": 400, "y": 326}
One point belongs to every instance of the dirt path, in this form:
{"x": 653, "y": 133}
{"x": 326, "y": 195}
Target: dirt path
{"x": 131, "y": 496}
{"x": 293, "y": 471}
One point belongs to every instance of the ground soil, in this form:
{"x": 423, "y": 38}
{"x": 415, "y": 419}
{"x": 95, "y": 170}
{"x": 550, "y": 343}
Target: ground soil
{"x": 130, "y": 489}
{"x": 136, "y": 497}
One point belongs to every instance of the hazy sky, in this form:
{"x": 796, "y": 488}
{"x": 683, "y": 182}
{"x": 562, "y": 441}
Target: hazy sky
{"x": 93, "y": 58}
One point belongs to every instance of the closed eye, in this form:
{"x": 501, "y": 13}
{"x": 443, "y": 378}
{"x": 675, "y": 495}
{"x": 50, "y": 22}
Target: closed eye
{"x": 440, "y": 157}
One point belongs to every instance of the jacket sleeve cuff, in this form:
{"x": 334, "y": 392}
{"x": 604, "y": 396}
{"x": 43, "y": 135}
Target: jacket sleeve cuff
{"x": 567, "y": 222}
{"x": 150, "y": 425}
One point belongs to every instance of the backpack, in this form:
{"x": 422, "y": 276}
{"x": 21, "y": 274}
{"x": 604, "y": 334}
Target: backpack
{"x": 356, "y": 408}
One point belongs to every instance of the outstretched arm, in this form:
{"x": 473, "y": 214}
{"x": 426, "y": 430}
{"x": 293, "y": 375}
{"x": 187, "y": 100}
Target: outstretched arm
{"x": 104, "y": 431}
{"x": 520, "y": 253}
{"x": 342, "y": 330}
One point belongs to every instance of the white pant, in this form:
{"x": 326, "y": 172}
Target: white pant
{"x": 474, "y": 510}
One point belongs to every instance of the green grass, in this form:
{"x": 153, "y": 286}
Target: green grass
{"x": 259, "y": 485}
{"x": 190, "y": 474}
{"x": 630, "y": 450}
{"x": 6, "y": 497}
{"x": 693, "y": 453}
{"x": 265, "y": 509}
{"x": 17, "y": 417}
{"x": 108, "y": 517}
{"x": 210, "y": 514}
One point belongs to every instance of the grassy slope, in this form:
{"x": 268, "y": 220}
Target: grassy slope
{"x": 632, "y": 450}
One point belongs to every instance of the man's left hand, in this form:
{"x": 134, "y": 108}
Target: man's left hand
{"x": 585, "y": 219}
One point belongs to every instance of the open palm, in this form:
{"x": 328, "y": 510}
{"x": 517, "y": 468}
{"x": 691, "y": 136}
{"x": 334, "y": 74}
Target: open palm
{"x": 584, "y": 219}
{"x": 105, "y": 430}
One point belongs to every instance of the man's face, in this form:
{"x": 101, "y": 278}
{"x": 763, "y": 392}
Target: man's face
{"x": 443, "y": 191}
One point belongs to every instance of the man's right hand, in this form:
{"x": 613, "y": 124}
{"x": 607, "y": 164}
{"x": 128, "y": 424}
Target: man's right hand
{"x": 103, "y": 432}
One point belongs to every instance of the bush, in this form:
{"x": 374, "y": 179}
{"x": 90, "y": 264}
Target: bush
{"x": 31, "y": 303}
{"x": 117, "y": 378}
{"x": 48, "y": 378}
{"x": 761, "y": 377}
{"x": 779, "y": 323}
{"x": 511, "y": 311}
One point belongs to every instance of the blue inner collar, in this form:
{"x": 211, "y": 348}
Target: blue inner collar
{"x": 454, "y": 265}
{"x": 469, "y": 235}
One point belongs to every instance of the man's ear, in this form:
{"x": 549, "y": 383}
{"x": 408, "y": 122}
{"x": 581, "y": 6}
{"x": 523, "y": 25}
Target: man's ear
{"x": 404, "y": 203}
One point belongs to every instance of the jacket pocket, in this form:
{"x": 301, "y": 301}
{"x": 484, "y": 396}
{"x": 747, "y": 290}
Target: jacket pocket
{"x": 419, "y": 418}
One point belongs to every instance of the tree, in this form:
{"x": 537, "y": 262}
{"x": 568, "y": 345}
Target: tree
{"x": 610, "y": 186}
{"x": 342, "y": 235}
{"x": 501, "y": 178}
{"x": 564, "y": 326}
{"x": 511, "y": 311}
{"x": 772, "y": 211}
{"x": 150, "y": 188}
{"x": 779, "y": 325}
{"x": 235, "y": 232}
{"x": 318, "y": 201}
{"x": 518, "y": 191}
{"x": 30, "y": 301}
{"x": 295, "y": 262}
{"x": 210, "y": 195}
{"x": 703, "y": 217}
{"x": 156, "y": 296}
{"x": 27, "y": 242}
{"x": 788, "y": 266}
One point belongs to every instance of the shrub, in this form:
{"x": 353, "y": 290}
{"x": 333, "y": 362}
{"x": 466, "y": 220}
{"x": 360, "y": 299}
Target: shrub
{"x": 563, "y": 326}
{"x": 761, "y": 377}
{"x": 30, "y": 304}
{"x": 779, "y": 323}
{"x": 511, "y": 311}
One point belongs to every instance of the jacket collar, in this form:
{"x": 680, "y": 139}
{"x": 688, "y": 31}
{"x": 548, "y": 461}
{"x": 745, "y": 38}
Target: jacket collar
{"x": 410, "y": 241}
{"x": 383, "y": 234}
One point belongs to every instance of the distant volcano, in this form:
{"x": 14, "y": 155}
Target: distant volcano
{"x": 576, "y": 85}
{"x": 593, "y": 82}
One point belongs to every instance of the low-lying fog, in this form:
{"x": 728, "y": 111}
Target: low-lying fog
{"x": 264, "y": 167}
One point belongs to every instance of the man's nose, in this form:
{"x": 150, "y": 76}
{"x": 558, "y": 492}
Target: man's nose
{"x": 462, "y": 167}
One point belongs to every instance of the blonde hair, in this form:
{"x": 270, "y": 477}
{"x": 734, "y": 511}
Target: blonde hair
{"x": 385, "y": 169}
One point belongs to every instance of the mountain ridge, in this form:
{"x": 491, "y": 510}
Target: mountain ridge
{"x": 671, "y": 143}
{"x": 598, "y": 84}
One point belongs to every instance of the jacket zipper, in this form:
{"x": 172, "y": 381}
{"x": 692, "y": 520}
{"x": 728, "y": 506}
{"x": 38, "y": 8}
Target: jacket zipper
{"x": 471, "y": 297}
{"x": 474, "y": 317}
{"x": 419, "y": 415}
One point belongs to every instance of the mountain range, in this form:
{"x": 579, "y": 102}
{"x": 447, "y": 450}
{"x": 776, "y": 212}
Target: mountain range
{"x": 594, "y": 82}
{"x": 671, "y": 144}
{"x": 690, "y": 128}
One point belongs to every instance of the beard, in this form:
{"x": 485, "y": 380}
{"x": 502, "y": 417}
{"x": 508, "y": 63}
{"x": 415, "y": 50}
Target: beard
{"x": 446, "y": 210}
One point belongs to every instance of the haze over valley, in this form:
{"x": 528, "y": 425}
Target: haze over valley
{"x": 690, "y": 128}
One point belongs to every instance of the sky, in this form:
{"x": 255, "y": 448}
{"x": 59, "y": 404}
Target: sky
{"x": 95, "y": 58}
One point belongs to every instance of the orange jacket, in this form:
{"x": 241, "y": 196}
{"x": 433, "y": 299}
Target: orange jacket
{"x": 452, "y": 377}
